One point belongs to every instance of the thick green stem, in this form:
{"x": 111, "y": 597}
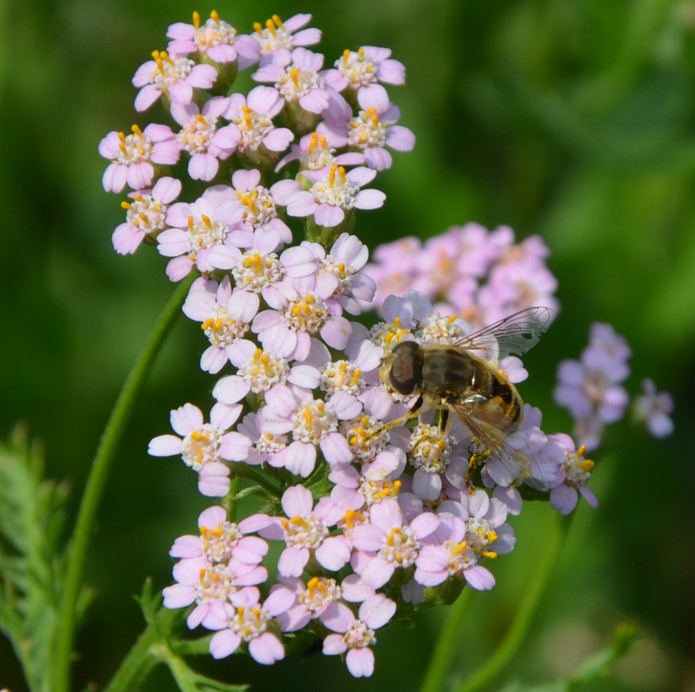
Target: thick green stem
{"x": 447, "y": 644}
{"x": 77, "y": 550}
{"x": 517, "y": 633}
{"x": 449, "y": 639}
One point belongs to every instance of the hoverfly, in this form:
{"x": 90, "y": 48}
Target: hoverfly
{"x": 462, "y": 378}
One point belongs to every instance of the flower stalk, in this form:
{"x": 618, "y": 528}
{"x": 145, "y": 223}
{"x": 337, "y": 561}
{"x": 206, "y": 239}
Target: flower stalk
{"x": 94, "y": 488}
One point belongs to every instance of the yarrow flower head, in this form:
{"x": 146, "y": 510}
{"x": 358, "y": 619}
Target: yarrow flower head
{"x": 352, "y": 484}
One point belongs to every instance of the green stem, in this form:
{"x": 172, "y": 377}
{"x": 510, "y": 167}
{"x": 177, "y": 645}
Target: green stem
{"x": 147, "y": 652}
{"x": 447, "y": 644}
{"x": 516, "y": 634}
{"x": 79, "y": 543}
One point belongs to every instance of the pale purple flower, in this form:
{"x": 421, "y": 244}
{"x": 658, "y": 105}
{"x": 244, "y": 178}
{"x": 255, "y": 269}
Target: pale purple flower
{"x": 590, "y": 388}
{"x": 365, "y": 67}
{"x": 145, "y": 215}
{"x": 278, "y": 37}
{"x": 201, "y": 136}
{"x": 201, "y": 234}
{"x": 356, "y": 636}
{"x": 175, "y": 77}
{"x": 333, "y": 194}
{"x": 216, "y": 39}
{"x": 132, "y": 156}
{"x": 252, "y": 122}
{"x": 247, "y": 620}
{"x": 204, "y": 446}
{"x": 574, "y": 471}
{"x": 306, "y": 533}
{"x": 297, "y": 79}
{"x": 389, "y": 542}
{"x": 225, "y": 316}
{"x": 654, "y": 408}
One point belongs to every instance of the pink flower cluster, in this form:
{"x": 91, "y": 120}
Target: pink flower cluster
{"x": 374, "y": 511}
{"x": 484, "y": 275}
{"x": 370, "y": 515}
{"x": 338, "y": 149}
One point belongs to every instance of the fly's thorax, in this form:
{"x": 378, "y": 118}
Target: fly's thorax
{"x": 449, "y": 374}
{"x": 401, "y": 370}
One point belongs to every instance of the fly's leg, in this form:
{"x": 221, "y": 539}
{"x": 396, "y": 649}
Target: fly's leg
{"x": 475, "y": 461}
{"x": 401, "y": 420}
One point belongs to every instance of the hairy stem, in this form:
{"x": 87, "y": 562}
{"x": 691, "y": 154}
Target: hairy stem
{"x": 94, "y": 488}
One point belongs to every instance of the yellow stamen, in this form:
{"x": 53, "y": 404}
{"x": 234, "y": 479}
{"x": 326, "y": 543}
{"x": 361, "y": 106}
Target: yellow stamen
{"x": 214, "y": 15}
{"x": 459, "y": 548}
{"x": 196, "y": 19}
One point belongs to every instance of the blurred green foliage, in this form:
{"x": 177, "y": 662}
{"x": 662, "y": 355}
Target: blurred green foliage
{"x": 571, "y": 119}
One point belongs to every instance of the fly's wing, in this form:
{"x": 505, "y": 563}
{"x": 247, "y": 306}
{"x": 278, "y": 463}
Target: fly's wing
{"x": 509, "y": 465}
{"x": 513, "y": 335}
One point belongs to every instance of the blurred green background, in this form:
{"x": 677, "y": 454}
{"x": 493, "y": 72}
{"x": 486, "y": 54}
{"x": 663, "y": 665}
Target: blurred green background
{"x": 571, "y": 119}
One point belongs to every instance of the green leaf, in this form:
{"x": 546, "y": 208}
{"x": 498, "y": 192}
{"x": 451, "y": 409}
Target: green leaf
{"x": 32, "y": 514}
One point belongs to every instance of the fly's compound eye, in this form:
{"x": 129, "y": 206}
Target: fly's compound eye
{"x": 406, "y": 367}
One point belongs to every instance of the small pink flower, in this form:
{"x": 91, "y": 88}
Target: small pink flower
{"x": 305, "y": 533}
{"x": 297, "y": 79}
{"x": 202, "y": 138}
{"x": 216, "y": 40}
{"x": 132, "y": 156}
{"x": 313, "y": 424}
{"x": 252, "y": 122}
{"x": 317, "y": 599}
{"x": 259, "y": 208}
{"x": 246, "y": 619}
{"x": 204, "y": 446}
{"x": 201, "y": 234}
{"x": 364, "y": 67}
{"x": 301, "y": 308}
{"x": 174, "y": 77}
{"x": 574, "y": 471}
{"x": 372, "y": 129}
{"x": 344, "y": 260}
{"x": 333, "y": 194}
{"x": 356, "y": 636}
{"x": 225, "y": 316}
{"x": 278, "y": 37}
{"x": 314, "y": 152}
{"x": 221, "y": 541}
{"x": 145, "y": 215}
{"x": 389, "y": 542}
